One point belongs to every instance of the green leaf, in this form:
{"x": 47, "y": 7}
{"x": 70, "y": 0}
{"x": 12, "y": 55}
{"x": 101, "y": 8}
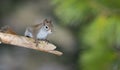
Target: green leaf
{"x": 99, "y": 36}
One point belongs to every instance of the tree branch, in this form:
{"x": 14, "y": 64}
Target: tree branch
{"x": 23, "y": 41}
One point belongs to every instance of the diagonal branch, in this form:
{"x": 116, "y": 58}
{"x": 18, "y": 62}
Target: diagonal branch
{"x": 28, "y": 43}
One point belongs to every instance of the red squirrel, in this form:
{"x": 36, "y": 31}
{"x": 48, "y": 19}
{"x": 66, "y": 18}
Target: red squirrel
{"x": 39, "y": 31}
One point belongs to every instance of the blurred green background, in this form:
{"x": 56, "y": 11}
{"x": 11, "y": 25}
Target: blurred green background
{"x": 86, "y": 31}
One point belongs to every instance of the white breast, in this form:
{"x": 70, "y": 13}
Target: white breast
{"x": 42, "y": 34}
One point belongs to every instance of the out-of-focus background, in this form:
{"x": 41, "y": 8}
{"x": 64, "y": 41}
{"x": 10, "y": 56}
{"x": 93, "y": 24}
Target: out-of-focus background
{"x": 86, "y": 31}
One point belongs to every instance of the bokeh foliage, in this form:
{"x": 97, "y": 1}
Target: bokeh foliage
{"x": 101, "y": 35}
